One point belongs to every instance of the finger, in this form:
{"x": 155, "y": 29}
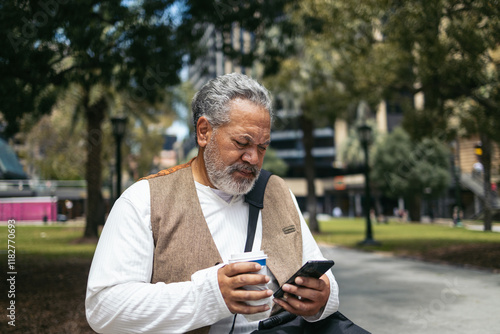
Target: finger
{"x": 318, "y": 289}
{"x": 305, "y": 301}
{"x": 299, "y": 307}
{"x": 250, "y": 279}
{"x": 311, "y": 282}
{"x": 237, "y": 302}
{"x": 244, "y": 308}
{"x": 293, "y": 289}
{"x": 233, "y": 287}
{"x": 250, "y": 295}
{"x": 237, "y": 268}
{"x": 303, "y": 294}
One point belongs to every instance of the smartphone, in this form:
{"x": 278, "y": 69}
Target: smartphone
{"x": 310, "y": 269}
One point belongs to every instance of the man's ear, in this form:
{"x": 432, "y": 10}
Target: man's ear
{"x": 203, "y": 131}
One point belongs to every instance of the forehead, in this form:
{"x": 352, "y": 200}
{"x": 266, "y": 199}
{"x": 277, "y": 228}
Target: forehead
{"x": 248, "y": 117}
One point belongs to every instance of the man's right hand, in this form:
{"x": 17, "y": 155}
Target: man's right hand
{"x": 233, "y": 277}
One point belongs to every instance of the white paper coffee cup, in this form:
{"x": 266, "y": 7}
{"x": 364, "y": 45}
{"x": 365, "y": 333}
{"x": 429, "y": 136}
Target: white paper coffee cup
{"x": 259, "y": 257}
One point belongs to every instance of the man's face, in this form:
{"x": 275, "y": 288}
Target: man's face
{"x": 235, "y": 152}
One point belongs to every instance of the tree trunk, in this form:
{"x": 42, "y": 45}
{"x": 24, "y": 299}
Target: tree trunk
{"x": 486, "y": 161}
{"x": 95, "y": 204}
{"x": 308, "y": 141}
{"x": 414, "y": 206}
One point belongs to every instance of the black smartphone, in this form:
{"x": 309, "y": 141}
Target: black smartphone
{"x": 314, "y": 269}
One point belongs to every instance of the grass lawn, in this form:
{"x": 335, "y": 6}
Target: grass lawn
{"x": 51, "y": 279}
{"x": 50, "y": 242}
{"x": 52, "y": 268}
{"x": 431, "y": 242}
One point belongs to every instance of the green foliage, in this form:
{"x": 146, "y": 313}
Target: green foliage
{"x": 402, "y": 167}
{"x": 448, "y": 46}
{"x": 436, "y": 59}
{"x": 351, "y": 151}
{"x": 114, "y": 55}
{"x": 132, "y": 48}
{"x": 274, "y": 164}
{"x": 337, "y": 40}
{"x": 144, "y": 146}
{"x": 56, "y": 149}
{"x": 447, "y": 50}
{"x": 306, "y": 74}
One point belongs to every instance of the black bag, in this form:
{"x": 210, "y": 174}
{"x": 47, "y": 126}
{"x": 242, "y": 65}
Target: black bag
{"x": 285, "y": 322}
{"x": 336, "y": 323}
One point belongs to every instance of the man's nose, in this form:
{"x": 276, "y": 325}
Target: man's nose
{"x": 251, "y": 156}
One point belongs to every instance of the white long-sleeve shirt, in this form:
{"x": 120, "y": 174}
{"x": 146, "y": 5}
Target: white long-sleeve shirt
{"x": 120, "y": 297}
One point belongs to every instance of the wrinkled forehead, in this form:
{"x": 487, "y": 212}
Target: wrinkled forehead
{"x": 246, "y": 117}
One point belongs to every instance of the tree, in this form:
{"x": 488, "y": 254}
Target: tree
{"x": 104, "y": 49}
{"x": 404, "y": 168}
{"x": 54, "y": 146}
{"x": 440, "y": 51}
{"x": 318, "y": 69}
{"x": 99, "y": 47}
{"x": 451, "y": 48}
{"x": 305, "y": 79}
{"x": 474, "y": 118}
{"x": 351, "y": 150}
{"x": 301, "y": 89}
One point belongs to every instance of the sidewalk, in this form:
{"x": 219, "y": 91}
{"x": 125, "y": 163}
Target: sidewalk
{"x": 386, "y": 295}
{"x": 494, "y": 228}
{"x": 466, "y": 224}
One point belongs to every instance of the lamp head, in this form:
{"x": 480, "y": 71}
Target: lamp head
{"x": 365, "y": 134}
{"x": 119, "y": 124}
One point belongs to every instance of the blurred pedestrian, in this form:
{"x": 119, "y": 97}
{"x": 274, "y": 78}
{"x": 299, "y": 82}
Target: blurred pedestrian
{"x": 477, "y": 169}
{"x": 337, "y": 212}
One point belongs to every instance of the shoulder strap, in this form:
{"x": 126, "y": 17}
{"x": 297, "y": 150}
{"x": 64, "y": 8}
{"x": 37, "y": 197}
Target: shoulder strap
{"x": 256, "y": 200}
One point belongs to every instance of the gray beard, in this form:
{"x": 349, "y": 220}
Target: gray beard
{"x": 222, "y": 176}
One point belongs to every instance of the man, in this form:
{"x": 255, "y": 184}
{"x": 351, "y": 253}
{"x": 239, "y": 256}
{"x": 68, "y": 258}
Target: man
{"x": 161, "y": 265}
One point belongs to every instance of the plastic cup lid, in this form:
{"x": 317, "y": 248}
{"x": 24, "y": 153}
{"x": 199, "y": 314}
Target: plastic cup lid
{"x": 248, "y": 256}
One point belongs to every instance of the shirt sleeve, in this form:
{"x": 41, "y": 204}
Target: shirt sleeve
{"x": 120, "y": 297}
{"x": 311, "y": 251}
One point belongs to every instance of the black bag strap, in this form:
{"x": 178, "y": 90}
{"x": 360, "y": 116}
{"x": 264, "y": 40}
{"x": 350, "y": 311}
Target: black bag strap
{"x": 255, "y": 199}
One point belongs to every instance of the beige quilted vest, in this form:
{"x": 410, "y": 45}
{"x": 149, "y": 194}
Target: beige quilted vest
{"x": 180, "y": 229}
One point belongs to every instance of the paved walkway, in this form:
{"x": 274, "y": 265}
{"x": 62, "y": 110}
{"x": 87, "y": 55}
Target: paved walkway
{"x": 494, "y": 228}
{"x": 388, "y": 295}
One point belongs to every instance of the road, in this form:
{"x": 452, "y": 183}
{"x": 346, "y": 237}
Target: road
{"x": 387, "y": 295}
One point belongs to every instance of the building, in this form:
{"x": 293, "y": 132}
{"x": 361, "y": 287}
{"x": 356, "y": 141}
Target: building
{"x": 469, "y": 174}
{"x": 10, "y": 167}
{"x": 335, "y": 185}
{"x": 213, "y": 62}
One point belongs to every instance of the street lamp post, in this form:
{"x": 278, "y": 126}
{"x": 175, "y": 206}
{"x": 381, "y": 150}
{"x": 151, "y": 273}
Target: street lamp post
{"x": 365, "y": 137}
{"x": 456, "y": 174}
{"x": 119, "y": 125}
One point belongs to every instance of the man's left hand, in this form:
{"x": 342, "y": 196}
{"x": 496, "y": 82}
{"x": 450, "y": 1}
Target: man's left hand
{"x": 307, "y": 298}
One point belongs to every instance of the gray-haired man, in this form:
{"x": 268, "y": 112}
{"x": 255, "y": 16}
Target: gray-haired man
{"x": 161, "y": 265}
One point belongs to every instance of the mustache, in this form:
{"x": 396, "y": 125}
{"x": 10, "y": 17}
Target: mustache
{"x": 246, "y": 168}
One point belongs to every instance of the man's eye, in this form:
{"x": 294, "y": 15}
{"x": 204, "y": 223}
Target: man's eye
{"x": 262, "y": 148}
{"x": 241, "y": 144}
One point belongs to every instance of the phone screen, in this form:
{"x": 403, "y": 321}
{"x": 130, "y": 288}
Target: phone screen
{"x": 310, "y": 269}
